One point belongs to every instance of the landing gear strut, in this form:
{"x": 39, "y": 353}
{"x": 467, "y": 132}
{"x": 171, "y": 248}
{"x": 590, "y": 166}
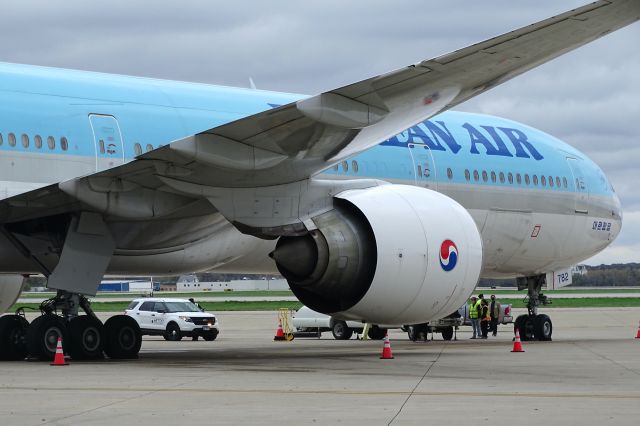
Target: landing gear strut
{"x": 83, "y": 336}
{"x": 534, "y": 326}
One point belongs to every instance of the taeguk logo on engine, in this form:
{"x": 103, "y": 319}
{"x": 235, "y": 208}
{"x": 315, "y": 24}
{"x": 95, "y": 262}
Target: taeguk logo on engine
{"x": 448, "y": 255}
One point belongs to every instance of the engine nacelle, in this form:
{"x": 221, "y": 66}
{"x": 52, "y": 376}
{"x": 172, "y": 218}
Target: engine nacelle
{"x": 392, "y": 254}
{"x": 10, "y": 289}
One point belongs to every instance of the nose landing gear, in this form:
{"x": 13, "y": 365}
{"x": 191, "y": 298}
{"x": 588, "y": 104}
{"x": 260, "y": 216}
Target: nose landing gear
{"x": 534, "y": 326}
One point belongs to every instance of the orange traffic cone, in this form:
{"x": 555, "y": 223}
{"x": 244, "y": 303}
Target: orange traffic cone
{"x": 638, "y": 332}
{"x": 279, "y": 331}
{"x": 517, "y": 345}
{"x": 386, "y": 349}
{"x": 59, "y": 358}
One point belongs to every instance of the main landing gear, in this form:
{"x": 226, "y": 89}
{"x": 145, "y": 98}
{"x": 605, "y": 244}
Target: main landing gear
{"x": 534, "y": 326}
{"x": 83, "y": 336}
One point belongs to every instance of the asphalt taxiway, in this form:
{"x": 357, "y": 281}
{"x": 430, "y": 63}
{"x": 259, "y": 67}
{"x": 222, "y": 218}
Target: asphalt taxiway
{"x": 589, "y": 374}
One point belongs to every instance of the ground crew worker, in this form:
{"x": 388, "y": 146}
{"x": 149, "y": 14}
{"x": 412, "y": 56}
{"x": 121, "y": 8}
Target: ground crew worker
{"x": 494, "y": 311}
{"x": 474, "y": 316}
{"x": 485, "y": 318}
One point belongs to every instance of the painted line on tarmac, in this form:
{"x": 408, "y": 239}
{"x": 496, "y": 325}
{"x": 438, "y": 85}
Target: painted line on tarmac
{"x": 635, "y": 396}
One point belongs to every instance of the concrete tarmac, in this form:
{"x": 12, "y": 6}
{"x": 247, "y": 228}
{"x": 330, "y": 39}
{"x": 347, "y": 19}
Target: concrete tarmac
{"x": 589, "y": 374}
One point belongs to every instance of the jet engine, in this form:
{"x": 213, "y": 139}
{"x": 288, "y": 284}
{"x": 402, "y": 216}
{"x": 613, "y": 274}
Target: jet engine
{"x": 392, "y": 254}
{"x": 10, "y": 289}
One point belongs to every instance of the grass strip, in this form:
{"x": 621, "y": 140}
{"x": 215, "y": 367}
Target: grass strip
{"x": 579, "y": 302}
{"x": 195, "y": 295}
{"x": 209, "y": 306}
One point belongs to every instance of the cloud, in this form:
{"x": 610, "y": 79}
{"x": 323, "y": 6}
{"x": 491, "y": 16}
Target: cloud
{"x": 587, "y": 98}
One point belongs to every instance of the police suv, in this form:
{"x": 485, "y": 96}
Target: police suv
{"x": 172, "y": 318}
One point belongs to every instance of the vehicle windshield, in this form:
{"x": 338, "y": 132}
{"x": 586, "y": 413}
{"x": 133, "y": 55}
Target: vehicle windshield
{"x": 181, "y": 307}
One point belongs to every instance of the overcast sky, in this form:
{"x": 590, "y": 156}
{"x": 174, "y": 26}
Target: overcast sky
{"x": 589, "y": 98}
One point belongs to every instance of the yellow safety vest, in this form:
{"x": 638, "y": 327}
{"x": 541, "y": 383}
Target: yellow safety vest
{"x": 473, "y": 310}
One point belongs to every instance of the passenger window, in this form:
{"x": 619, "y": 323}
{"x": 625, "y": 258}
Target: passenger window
{"x": 139, "y": 151}
{"x": 37, "y": 140}
{"x": 12, "y": 139}
{"x": 51, "y": 142}
{"x": 551, "y": 181}
{"x": 449, "y": 173}
{"x": 1, "y": 141}
{"x": 564, "y": 182}
{"x": 354, "y": 166}
{"x": 510, "y": 177}
{"x": 345, "y": 166}
{"x": 149, "y": 147}
{"x": 146, "y": 306}
{"x": 132, "y": 305}
{"x": 102, "y": 150}
{"x": 467, "y": 175}
{"x": 577, "y": 181}
{"x": 25, "y": 140}
{"x": 526, "y": 179}
{"x": 501, "y": 177}
{"x": 518, "y": 178}
{"x": 485, "y": 176}
{"x": 535, "y": 180}
{"x": 557, "y": 181}
{"x": 419, "y": 170}
{"x": 493, "y": 177}
{"x": 543, "y": 180}
{"x": 476, "y": 176}
{"x": 427, "y": 170}
{"x": 64, "y": 144}
{"x": 159, "y": 306}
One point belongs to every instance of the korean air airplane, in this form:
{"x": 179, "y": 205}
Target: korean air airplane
{"x": 374, "y": 200}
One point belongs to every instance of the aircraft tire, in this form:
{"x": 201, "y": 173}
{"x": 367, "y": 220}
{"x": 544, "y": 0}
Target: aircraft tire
{"x": 543, "y": 327}
{"x": 524, "y": 324}
{"x": 13, "y": 330}
{"x": 43, "y": 334}
{"x": 122, "y": 337}
{"x": 86, "y": 338}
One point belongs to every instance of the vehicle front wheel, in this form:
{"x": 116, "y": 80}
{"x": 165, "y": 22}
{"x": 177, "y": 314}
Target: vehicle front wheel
{"x": 13, "y": 331}
{"x": 173, "y": 333}
{"x": 447, "y": 333}
{"x": 341, "y": 331}
{"x": 210, "y": 337}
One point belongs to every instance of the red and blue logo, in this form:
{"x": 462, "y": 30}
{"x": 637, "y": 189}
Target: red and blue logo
{"x": 448, "y": 255}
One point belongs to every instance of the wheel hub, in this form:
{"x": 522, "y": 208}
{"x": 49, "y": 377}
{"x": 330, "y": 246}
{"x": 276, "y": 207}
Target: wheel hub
{"x": 51, "y": 336}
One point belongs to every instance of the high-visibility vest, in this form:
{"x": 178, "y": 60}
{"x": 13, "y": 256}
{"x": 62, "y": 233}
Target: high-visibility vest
{"x": 473, "y": 310}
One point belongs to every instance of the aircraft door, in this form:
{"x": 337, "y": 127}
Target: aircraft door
{"x": 580, "y": 184}
{"x": 107, "y": 140}
{"x": 424, "y": 168}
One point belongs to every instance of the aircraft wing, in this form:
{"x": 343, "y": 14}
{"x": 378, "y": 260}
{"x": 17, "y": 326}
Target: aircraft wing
{"x": 295, "y": 141}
